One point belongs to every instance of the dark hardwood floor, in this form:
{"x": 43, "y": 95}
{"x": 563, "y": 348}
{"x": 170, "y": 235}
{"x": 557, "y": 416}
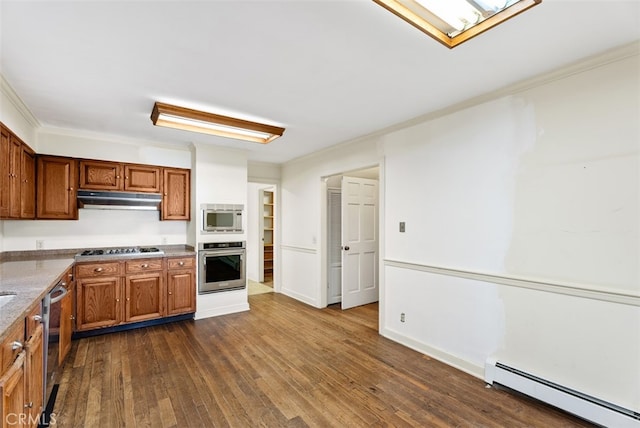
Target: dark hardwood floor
{"x": 282, "y": 364}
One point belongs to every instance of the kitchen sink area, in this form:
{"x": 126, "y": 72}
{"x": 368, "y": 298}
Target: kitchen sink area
{"x": 6, "y": 297}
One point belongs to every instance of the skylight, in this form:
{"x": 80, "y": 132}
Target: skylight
{"x": 452, "y": 22}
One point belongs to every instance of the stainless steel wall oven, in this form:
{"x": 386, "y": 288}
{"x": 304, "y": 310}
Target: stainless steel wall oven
{"x": 222, "y": 266}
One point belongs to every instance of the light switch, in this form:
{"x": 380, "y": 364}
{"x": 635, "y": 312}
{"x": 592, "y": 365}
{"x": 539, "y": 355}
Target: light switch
{"x": 402, "y": 226}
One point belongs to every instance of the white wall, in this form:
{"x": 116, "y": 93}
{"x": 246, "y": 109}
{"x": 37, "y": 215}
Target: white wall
{"x": 522, "y": 238}
{"x": 219, "y": 177}
{"x": 303, "y": 198}
{"x": 542, "y": 185}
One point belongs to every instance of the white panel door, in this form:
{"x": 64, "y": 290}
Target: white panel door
{"x": 359, "y": 241}
{"x": 334, "y": 214}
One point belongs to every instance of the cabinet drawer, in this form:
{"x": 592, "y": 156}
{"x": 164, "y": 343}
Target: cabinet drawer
{"x": 135, "y": 266}
{"x": 15, "y": 334}
{"x": 33, "y": 320}
{"x": 181, "y": 263}
{"x": 98, "y": 269}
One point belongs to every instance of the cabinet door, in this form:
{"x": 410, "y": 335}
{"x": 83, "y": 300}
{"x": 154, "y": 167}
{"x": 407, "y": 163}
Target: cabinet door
{"x": 57, "y": 186}
{"x": 181, "y": 292}
{"x": 5, "y": 171}
{"x": 100, "y": 175}
{"x": 15, "y": 154}
{"x": 66, "y": 327}
{"x": 12, "y": 391}
{"x": 98, "y": 302}
{"x": 34, "y": 404}
{"x": 144, "y": 297}
{"x": 27, "y": 183}
{"x": 177, "y": 194}
{"x": 141, "y": 178}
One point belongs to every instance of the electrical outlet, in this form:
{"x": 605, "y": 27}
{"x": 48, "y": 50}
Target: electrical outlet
{"x": 402, "y": 226}
{"x": 402, "y": 317}
{"x": 164, "y": 240}
{"x": 39, "y": 244}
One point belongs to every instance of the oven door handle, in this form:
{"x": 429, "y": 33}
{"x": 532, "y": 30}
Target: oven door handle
{"x": 58, "y": 288}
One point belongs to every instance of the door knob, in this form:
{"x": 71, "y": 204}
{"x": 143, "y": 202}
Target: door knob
{"x": 346, "y": 248}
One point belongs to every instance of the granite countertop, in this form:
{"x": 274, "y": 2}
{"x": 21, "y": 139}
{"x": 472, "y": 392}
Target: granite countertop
{"x": 31, "y": 274}
{"x": 30, "y": 280}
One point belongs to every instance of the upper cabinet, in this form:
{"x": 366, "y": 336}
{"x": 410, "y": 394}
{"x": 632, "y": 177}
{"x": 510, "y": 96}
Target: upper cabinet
{"x": 45, "y": 187}
{"x": 177, "y": 194}
{"x": 57, "y": 187}
{"x": 102, "y": 175}
{"x": 17, "y": 177}
{"x": 142, "y": 178}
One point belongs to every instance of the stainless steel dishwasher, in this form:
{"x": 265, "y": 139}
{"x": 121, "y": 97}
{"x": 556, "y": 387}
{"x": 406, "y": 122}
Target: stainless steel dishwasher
{"x": 51, "y": 321}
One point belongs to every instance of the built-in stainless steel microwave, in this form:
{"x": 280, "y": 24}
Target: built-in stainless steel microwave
{"x": 222, "y": 218}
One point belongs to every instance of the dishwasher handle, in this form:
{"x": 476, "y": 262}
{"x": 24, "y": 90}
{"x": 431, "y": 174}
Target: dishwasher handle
{"x": 58, "y": 288}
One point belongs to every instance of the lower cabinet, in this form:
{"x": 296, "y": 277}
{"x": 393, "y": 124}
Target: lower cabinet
{"x": 22, "y": 373}
{"x": 99, "y": 302}
{"x": 133, "y": 290}
{"x": 12, "y": 389}
{"x": 181, "y": 289}
{"x": 34, "y": 375}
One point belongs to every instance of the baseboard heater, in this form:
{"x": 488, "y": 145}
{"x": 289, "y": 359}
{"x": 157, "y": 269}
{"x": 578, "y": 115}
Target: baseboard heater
{"x": 582, "y": 405}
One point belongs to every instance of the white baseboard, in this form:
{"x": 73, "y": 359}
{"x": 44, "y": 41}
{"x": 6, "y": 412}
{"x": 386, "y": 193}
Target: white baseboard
{"x": 438, "y": 354}
{"x": 222, "y": 310}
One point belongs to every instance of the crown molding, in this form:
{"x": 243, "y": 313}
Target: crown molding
{"x": 15, "y": 100}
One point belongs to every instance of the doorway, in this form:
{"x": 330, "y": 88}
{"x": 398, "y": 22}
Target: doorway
{"x": 262, "y": 237}
{"x": 352, "y": 252}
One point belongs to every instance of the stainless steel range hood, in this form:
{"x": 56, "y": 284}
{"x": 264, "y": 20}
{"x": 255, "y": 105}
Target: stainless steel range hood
{"x": 107, "y": 200}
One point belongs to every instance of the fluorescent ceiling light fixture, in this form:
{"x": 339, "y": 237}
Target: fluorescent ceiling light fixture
{"x": 452, "y": 22}
{"x": 209, "y": 123}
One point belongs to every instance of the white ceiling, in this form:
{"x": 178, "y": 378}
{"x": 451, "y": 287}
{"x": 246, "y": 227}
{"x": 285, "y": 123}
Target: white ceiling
{"x": 328, "y": 71}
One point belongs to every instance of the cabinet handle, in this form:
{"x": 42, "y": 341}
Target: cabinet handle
{"x": 118, "y": 177}
{"x": 98, "y": 269}
{"x": 37, "y": 318}
{"x": 144, "y": 266}
{"x": 180, "y": 263}
{"x": 71, "y": 189}
{"x": 128, "y": 299}
{"x": 165, "y": 194}
{"x": 16, "y": 345}
{"x": 72, "y": 317}
{"x": 170, "y": 293}
{"x": 117, "y": 300}
{"x": 126, "y": 177}
{"x": 28, "y": 405}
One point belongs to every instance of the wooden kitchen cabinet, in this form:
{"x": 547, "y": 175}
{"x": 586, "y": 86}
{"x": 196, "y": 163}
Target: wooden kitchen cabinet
{"x": 22, "y": 373}
{"x": 99, "y": 295}
{"x": 181, "y": 285}
{"x": 142, "y": 178}
{"x": 144, "y": 290}
{"x": 17, "y": 177}
{"x": 12, "y": 390}
{"x": 133, "y": 290}
{"x": 100, "y": 175}
{"x": 34, "y": 375}
{"x": 176, "y": 196}
{"x": 57, "y": 188}
{"x": 5, "y": 171}
{"x": 66, "y": 318}
{"x": 116, "y": 176}
{"x": 27, "y": 183}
